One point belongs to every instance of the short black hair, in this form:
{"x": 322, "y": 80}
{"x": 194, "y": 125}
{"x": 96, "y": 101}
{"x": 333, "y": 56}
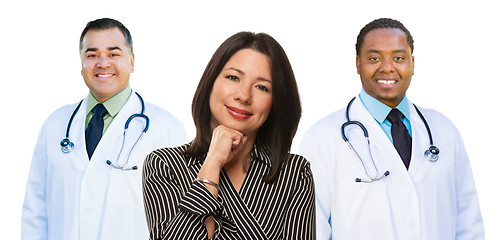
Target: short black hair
{"x": 107, "y": 23}
{"x": 382, "y": 23}
{"x": 276, "y": 134}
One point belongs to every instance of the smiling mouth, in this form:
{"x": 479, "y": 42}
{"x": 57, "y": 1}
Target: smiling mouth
{"x": 238, "y": 113}
{"x": 386, "y": 82}
{"x": 104, "y": 75}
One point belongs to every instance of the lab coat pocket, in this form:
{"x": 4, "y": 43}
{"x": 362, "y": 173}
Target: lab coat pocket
{"x": 125, "y": 188}
{"x": 124, "y": 215}
{"x": 364, "y": 203}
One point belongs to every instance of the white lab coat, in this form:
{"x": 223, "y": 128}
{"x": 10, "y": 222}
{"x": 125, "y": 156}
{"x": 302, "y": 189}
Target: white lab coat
{"x": 69, "y": 196}
{"x": 431, "y": 201}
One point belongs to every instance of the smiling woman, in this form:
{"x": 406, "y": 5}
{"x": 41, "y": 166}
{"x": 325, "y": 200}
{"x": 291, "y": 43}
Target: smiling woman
{"x": 243, "y": 81}
{"x": 237, "y": 179}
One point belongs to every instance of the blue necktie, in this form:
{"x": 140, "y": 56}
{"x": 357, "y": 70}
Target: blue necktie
{"x": 95, "y": 129}
{"x": 401, "y": 138}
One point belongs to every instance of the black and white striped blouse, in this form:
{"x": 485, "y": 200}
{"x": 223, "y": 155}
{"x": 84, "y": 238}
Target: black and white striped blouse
{"x": 176, "y": 207}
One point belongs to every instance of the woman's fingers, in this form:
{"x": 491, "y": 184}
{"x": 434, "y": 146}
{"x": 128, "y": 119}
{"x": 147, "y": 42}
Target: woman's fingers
{"x": 225, "y": 142}
{"x": 238, "y": 144}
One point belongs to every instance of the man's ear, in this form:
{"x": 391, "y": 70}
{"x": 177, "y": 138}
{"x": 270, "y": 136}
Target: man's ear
{"x": 412, "y": 65}
{"x": 358, "y": 64}
{"x": 132, "y": 63}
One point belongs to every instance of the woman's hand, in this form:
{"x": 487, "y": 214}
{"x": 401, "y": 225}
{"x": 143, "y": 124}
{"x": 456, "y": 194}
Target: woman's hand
{"x": 225, "y": 142}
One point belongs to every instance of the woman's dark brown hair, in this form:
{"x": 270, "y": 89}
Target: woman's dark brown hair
{"x": 276, "y": 134}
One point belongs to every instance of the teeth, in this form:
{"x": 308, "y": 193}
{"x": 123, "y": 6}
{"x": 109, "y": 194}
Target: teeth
{"x": 104, "y": 75}
{"x": 241, "y": 113}
{"x": 387, "y": 82}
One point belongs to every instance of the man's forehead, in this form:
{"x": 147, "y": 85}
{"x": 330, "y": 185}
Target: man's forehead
{"x": 101, "y": 39}
{"x": 393, "y": 39}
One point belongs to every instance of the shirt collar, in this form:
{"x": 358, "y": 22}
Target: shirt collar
{"x": 379, "y": 110}
{"x": 113, "y": 105}
{"x": 262, "y": 154}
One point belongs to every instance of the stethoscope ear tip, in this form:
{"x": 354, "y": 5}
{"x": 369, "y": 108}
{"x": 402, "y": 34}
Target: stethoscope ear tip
{"x": 386, "y": 173}
{"x": 122, "y": 168}
{"x": 358, "y": 180}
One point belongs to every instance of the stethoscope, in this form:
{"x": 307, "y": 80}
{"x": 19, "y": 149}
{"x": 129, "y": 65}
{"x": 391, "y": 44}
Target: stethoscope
{"x": 432, "y": 153}
{"x": 67, "y": 145}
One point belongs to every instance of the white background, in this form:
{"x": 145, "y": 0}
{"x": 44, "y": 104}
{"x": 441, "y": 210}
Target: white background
{"x": 458, "y": 60}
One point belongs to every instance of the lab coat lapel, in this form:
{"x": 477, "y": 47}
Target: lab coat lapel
{"x": 420, "y": 142}
{"x": 78, "y": 136}
{"x": 383, "y": 152}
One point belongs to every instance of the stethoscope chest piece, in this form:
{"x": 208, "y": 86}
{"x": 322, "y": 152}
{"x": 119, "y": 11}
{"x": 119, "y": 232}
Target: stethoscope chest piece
{"x": 432, "y": 153}
{"x": 66, "y": 145}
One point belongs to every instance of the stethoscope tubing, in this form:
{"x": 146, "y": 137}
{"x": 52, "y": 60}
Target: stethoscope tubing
{"x": 67, "y": 145}
{"x": 432, "y": 153}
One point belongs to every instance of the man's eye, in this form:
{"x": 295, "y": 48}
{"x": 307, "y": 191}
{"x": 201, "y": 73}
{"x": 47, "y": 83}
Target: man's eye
{"x": 374, "y": 59}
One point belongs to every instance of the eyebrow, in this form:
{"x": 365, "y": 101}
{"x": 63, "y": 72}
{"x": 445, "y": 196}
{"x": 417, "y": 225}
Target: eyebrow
{"x": 394, "y": 51}
{"x": 235, "y": 69}
{"x": 109, "y": 49}
{"x": 242, "y": 73}
{"x": 264, "y": 79}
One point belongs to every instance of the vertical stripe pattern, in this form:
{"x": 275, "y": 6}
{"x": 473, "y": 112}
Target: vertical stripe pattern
{"x": 176, "y": 207}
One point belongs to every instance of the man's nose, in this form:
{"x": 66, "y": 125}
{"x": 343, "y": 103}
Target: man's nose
{"x": 387, "y": 66}
{"x": 103, "y": 62}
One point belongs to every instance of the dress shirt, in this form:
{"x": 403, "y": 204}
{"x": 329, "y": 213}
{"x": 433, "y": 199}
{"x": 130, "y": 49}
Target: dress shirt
{"x": 113, "y": 106}
{"x": 176, "y": 206}
{"x": 380, "y": 111}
